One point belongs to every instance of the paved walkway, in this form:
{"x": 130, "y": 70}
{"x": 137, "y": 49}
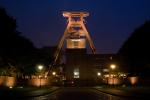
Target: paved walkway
{"x": 25, "y": 92}
{"x": 131, "y": 92}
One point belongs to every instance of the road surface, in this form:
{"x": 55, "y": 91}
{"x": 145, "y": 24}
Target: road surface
{"x": 79, "y": 93}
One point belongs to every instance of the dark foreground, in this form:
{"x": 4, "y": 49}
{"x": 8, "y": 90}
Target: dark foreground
{"x": 65, "y": 93}
{"x": 77, "y": 93}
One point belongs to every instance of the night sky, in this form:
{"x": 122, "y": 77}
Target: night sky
{"x": 110, "y": 22}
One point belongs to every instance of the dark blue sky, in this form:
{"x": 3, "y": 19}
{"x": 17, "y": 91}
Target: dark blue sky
{"x": 110, "y": 22}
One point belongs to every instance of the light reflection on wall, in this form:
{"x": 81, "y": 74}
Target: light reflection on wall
{"x": 114, "y": 81}
{"x": 2, "y": 78}
{"x": 10, "y": 81}
{"x": 38, "y": 82}
{"x": 7, "y": 81}
{"x": 133, "y": 80}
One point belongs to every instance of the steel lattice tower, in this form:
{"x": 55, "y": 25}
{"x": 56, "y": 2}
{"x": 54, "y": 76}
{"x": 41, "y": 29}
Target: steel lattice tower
{"x": 75, "y": 33}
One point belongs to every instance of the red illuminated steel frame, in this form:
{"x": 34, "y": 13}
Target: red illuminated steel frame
{"x": 74, "y": 23}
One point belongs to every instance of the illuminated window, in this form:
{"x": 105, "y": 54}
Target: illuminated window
{"x": 76, "y": 73}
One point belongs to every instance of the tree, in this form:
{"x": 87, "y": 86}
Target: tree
{"x": 135, "y": 52}
{"x": 15, "y": 49}
{"x": 18, "y": 51}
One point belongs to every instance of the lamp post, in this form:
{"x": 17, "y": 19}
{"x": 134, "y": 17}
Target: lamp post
{"x": 113, "y": 67}
{"x": 98, "y": 78}
{"x": 98, "y": 74}
{"x": 53, "y": 73}
{"x": 40, "y": 67}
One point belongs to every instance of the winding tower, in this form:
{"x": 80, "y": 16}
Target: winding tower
{"x": 75, "y": 33}
{"x": 76, "y": 38}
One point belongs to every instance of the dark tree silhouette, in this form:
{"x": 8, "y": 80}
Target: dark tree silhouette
{"x": 15, "y": 50}
{"x": 135, "y": 53}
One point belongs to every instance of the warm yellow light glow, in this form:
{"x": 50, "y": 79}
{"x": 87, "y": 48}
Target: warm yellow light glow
{"x": 98, "y": 74}
{"x": 7, "y": 81}
{"x": 75, "y": 14}
{"x": 76, "y": 43}
{"x": 111, "y": 75}
{"x": 112, "y": 66}
{"x": 123, "y": 75}
{"x": 113, "y": 81}
{"x": 10, "y": 87}
{"x": 107, "y": 75}
{"x": 10, "y": 81}
{"x": 75, "y": 73}
{"x": 40, "y": 67}
{"x": 76, "y": 40}
{"x": 2, "y": 80}
{"x": 38, "y": 81}
{"x": 45, "y": 76}
{"x": 133, "y": 80}
{"x": 53, "y": 73}
{"x": 105, "y": 70}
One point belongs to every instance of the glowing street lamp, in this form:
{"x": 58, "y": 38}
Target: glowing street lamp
{"x": 112, "y": 66}
{"x": 54, "y": 73}
{"x": 40, "y": 67}
{"x": 98, "y": 74}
